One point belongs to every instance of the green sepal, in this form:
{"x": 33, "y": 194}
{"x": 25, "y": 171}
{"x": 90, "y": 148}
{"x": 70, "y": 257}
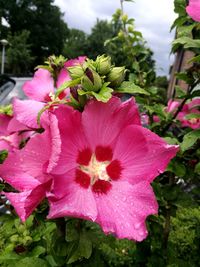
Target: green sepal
{"x": 40, "y": 114}
{"x": 67, "y": 84}
{"x": 103, "y": 95}
{"x": 3, "y": 155}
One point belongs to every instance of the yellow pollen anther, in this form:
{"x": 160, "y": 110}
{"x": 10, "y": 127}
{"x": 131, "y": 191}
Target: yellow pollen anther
{"x": 96, "y": 170}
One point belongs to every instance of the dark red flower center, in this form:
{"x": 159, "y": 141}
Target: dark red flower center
{"x": 97, "y": 169}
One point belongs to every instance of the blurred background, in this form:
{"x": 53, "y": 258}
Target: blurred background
{"x": 35, "y": 29}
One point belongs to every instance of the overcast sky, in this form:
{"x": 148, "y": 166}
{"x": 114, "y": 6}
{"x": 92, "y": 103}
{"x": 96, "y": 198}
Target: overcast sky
{"x": 152, "y": 17}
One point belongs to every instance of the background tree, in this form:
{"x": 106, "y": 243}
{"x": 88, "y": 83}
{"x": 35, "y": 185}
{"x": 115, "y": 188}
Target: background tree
{"x": 101, "y": 32}
{"x": 42, "y": 19}
{"x": 19, "y": 57}
{"x": 75, "y": 44}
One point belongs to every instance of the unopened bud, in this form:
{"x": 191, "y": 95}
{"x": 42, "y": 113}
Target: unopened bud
{"x": 121, "y": 34}
{"x": 116, "y": 76}
{"x": 124, "y": 18}
{"x": 130, "y": 29}
{"x": 91, "y": 81}
{"x": 14, "y": 238}
{"x": 76, "y": 71}
{"x": 103, "y": 64}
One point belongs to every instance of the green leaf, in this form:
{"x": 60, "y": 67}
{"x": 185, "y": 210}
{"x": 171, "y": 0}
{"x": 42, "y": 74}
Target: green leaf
{"x": 171, "y": 141}
{"x": 83, "y": 250}
{"x": 194, "y": 59}
{"x": 3, "y": 155}
{"x": 37, "y": 251}
{"x": 185, "y": 30}
{"x": 197, "y": 168}
{"x": 157, "y": 109}
{"x": 178, "y": 22}
{"x": 179, "y": 7}
{"x": 190, "y": 139}
{"x": 2, "y": 186}
{"x": 195, "y": 94}
{"x": 180, "y": 93}
{"x": 183, "y": 76}
{"x": 186, "y": 42}
{"x": 31, "y": 262}
{"x": 130, "y": 88}
{"x": 177, "y": 168}
{"x": 104, "y": 95}
{"x": 71, "y": 230}
{"x": 170, "y": 192}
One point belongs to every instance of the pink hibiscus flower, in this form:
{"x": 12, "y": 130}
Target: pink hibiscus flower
{"x": 193, "y": 9}
{"x": 106, "y": 164}
{"x": 190, "y": 108}
{"x": 4, "y": 142}
{"x": 41, "y": 87}
{"x": 172, "y": 105}
{"x": 27, "y": 170}
{"x": 9, "y": 140}
{"x": 41, "y": 90}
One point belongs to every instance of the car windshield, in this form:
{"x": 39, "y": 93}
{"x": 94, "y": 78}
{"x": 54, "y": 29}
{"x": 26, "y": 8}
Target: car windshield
{"x": 12, "y": 88}
{"x": 6, "y": 86}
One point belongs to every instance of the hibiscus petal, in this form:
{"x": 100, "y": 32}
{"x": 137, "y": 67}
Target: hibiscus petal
{"x": 72, "y": 137}
{"x": 193, "y": 9}
{"x": 4, "y": 121}
{"x": 40, "y": 86}
{"x": 103, "y": 122}
{"x": 123, "y": 210}
{"x": 26, "y": 112}
{"x": 25, "y": 202}
{"x": 11, "y": 171}
{"x": 15, "y": 126}
{"x": 4, "y": 145}
{"x": 63, "y": 77}
{"x": 55, "y": 143}
{"x": 35, "y": 155}
{"x": 143, "y": 154}
{"x": 75, "y": 61}
{"x": 77, "y": 202}
{"x": 10, "y": 142}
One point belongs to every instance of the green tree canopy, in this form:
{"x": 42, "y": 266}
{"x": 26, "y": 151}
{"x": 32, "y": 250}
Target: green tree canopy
{"x": 42, "y": 19}
{"x": 75, "y": 44}
{"x": 101, "y": 31}
{"x": 18, "y": 54}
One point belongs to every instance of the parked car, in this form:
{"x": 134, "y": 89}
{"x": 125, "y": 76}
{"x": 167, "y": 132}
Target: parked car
{"x": 10, "y": 88}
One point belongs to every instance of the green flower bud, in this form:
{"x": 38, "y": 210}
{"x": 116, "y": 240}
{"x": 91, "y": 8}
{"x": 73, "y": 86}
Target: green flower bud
{"x": 76, "y": 71}
{"x": 124, "y": 18}
{"x": 120, "y": 34}
{"x": 26, "y": 233}
{"x": 91, "y": 81}
{"x": 130, "y": 29}
{"x": 116, "y": 76}
{"x": 103, "y": 64}
{"x": 14, "y": 238}
{"x": 21, "y": 228}
{"x": 27, "y": 240}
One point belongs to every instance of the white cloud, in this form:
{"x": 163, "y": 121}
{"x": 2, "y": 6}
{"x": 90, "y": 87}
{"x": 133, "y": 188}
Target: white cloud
{"x": 153, "y": 18}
